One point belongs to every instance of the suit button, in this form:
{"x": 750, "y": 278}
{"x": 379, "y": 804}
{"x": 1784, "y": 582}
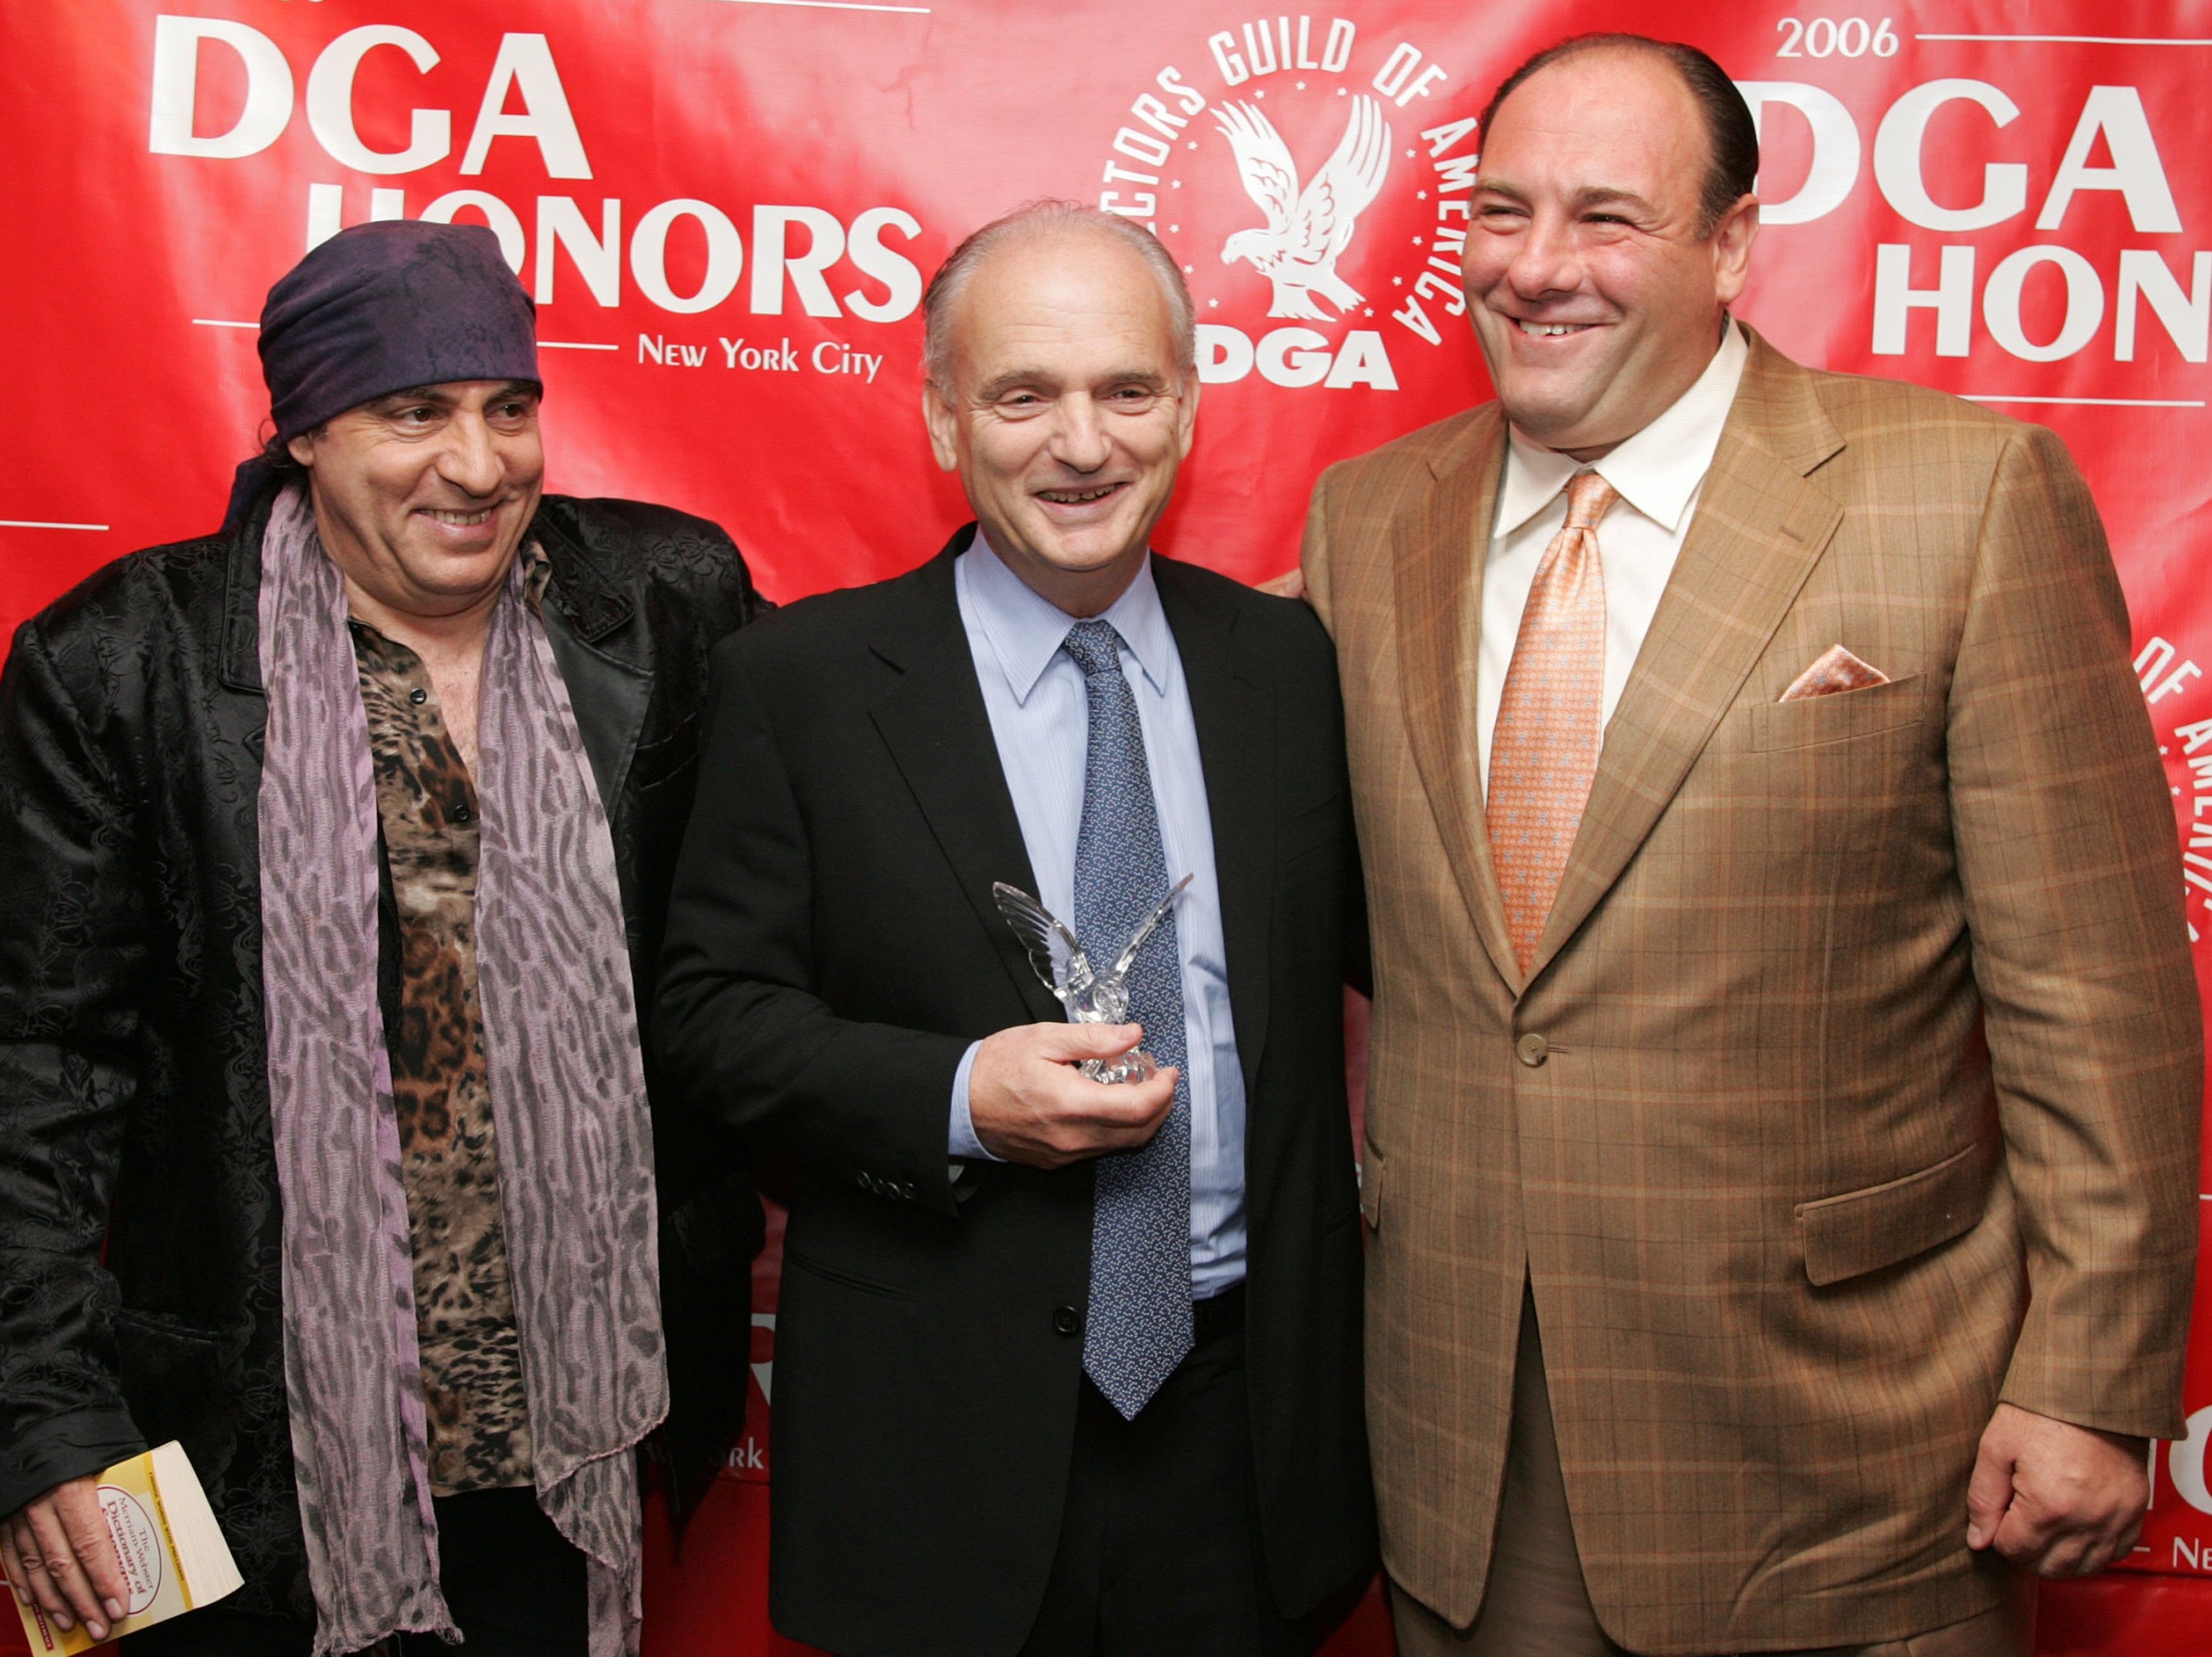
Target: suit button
{"x": 1067, "y": 1320}
{"x": 1532, "y": 1050}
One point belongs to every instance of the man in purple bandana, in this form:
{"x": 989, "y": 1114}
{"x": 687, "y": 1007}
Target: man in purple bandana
{"x": 334, "y": 848}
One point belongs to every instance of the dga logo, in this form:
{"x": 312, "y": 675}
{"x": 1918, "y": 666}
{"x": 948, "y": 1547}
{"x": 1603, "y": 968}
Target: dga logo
{"x": 1307, "y": 230}
{"x": 1205, "y": 150}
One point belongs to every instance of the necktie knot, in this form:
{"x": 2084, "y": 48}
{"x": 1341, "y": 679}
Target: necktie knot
{"x": 1588, "y": 498}
{"x": 1095, "y": 645}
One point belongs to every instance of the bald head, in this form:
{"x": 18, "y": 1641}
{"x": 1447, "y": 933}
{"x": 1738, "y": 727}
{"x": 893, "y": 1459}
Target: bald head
{"x": 1049, "y": 221}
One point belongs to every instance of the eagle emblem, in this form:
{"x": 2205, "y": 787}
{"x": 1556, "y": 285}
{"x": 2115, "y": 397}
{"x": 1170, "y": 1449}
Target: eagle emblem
{"x": 1307, "y": 230}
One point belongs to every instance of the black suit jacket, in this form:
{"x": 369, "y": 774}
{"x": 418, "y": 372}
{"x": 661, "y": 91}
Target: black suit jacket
{"x": 833, "y": 949}
{"x": 140, "y": 1227}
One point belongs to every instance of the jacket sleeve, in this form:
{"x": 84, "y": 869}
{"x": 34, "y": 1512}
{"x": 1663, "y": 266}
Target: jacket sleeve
{"x": 72, "y": 945}
{"x": 741, "y": 1021}
{"x": 2068, "y": 861}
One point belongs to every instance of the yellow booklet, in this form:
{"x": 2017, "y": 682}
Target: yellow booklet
{"x": 172, "y": 1553}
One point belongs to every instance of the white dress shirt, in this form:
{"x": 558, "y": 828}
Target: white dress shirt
{"x": 1659, "y": 473}
{"x": 1041, "y": 720}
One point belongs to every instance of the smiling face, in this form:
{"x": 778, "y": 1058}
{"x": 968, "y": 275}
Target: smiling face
{"x": 1065, "y": 415}
{"x": 1596, "y": 294}
{"x": 422, "y": 497}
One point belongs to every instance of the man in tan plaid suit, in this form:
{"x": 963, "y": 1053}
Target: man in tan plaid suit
{"x": 1783, "y": 1118}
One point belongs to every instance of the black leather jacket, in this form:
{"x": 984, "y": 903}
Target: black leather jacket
{"x": 139, "y": 1220}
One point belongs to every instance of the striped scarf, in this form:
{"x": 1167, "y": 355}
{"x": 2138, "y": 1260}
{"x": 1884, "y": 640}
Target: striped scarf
{"x": 568, "y": 1103}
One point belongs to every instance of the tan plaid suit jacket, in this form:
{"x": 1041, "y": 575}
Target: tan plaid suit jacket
{"x": 1855, "y": 1086}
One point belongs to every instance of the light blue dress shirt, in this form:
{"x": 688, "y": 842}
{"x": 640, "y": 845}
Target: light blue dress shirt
{"x": 1040, "y": 719}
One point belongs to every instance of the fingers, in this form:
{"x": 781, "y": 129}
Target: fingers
{"x": 2061, "y": 1544}
{"x": 1067, "y": 1043}
{"x": 1082, "y": 1118}
{"x": 27, "y": 1571}
{"x": 1988, "y": 1492}
{"x": 1049, "y": 1115}
{"x": 1291, "y": 583}
{"x": 1131, "y": 1110}
{"x": 2057, "y": 1549}
{"x": 85, "y": 1527}
{"x": 2051, "y": 1547}
{"x": 11, "y": 1560}
{"x": 2054, "y": 1498}
{"x": 2130, "y": 1534}
{"x": 69, "y": 1595}
{"x": 2025, "y": 1537}
{"x": 1027, "y": 1102}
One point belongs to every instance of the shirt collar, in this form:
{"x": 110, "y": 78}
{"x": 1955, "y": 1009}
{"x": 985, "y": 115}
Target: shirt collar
{"x": 1657, "y": 470}
{"x": 1025, "y": 629}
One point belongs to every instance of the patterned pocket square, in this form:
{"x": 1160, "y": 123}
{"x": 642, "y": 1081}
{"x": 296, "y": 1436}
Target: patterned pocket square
{"x": 1837, "y": 670}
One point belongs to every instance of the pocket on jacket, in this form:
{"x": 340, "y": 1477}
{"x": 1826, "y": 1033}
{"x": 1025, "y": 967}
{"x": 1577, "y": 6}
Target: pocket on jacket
{"x": 1841, "y": 716}
{"x": 1861, "y": 1231}
{"x": 665, "y": 756}
{"x": 866, "y": 1286}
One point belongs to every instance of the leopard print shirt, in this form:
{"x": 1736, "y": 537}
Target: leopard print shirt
{"x": 472, "y": 1389}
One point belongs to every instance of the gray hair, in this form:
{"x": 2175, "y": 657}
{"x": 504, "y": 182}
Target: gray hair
{"x": 1033, "y": 220}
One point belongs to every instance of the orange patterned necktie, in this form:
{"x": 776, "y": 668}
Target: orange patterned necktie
{"x": 1543, "y": 753}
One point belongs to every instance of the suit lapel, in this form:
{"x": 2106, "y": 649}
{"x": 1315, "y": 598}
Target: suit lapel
{"x": 1761, "y": 525}
{"x": 935, "y": 723}
{"x": 1235, "y": 718}
{"x": 1437, "y": 573}
{"x": 610, "y": 698}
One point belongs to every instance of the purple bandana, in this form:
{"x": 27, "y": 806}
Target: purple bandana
{"x": 378, "y": 308}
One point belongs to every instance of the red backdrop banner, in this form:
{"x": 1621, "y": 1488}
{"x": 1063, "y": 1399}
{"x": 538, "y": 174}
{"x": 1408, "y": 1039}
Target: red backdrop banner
{"x": 726, "y": 209}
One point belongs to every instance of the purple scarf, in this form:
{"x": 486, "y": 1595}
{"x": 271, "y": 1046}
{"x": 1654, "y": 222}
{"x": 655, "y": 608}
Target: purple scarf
{"x": 568, "y": 1094}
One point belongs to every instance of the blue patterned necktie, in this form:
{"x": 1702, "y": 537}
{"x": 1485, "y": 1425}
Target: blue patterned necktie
{"x": 1138, "y": 1326}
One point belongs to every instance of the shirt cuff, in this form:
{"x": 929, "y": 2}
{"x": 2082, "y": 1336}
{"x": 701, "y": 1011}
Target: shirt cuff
{"x": 961, "y": 1140}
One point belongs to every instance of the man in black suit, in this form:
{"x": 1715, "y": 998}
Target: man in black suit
{"x": 1063, "y": 1366}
